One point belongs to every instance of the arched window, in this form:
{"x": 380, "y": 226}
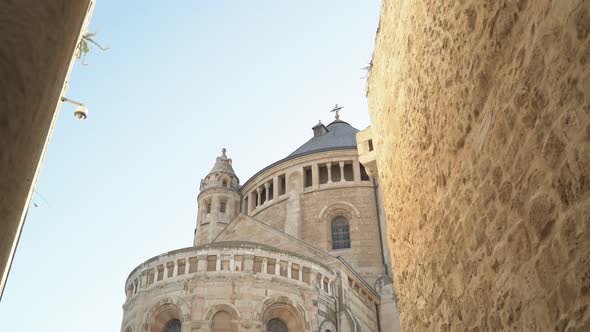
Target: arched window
{"x": 221, "y": 322}
{"x": 173, "y": 325}
{"x": 276, "y": 325}
{"x": 340, "y": 233}
{"x": 224, "y": 184}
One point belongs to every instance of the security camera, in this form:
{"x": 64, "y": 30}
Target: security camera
{"x": 81, "y": 113}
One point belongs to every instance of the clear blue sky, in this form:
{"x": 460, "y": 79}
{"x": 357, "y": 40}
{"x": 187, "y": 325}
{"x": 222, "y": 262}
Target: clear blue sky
{"x": 182, "y": 79}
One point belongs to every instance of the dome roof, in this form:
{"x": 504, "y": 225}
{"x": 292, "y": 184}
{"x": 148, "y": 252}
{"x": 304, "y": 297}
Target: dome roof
{"x": 340, "y": 135}
{"x": 223, "y": 165}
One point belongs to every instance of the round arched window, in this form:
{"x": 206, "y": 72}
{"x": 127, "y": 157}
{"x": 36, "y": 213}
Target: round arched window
{"x": 340, "y": 233}
{"x": 276, "y": 325}
{"x": 173, "y": 325}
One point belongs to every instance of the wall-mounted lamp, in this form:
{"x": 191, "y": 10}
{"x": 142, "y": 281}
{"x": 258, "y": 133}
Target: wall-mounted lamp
{"x": 81, "y": 112}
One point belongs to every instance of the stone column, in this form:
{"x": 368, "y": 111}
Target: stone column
{"x": 313, "y": 278}
{"x": 175, "y": 272}
{"x": 164, "y": 271}
{"x": 275, "y": 188}
{"x": 141, "y": 279}
{"x": 232, "y": 263}
{"x": 300, "y": 272}
{"x": 278, "y": 266}
{"x": 251, "y": 202}
{"x": 356, "y": 169}
{"x": 289, "y": 267}
{"x": 266, "y": 187}
{"x": 329, "y": 165}
{"x": 218, "y": 263}
{"x": 342, "y": 172}
{"x": 264, "y": 265}
{"x": 315, "y": 176}
{"x": 258, "y": 193}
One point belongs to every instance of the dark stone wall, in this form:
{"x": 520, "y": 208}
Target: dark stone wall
{"x": 37, "y": 42}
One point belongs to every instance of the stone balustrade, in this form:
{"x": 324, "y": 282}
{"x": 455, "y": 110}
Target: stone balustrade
{"x": 231, "y": 258}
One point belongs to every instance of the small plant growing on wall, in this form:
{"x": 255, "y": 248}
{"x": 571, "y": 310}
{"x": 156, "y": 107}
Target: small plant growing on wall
{"x": 85, "y": 45}
{"x": 367, "y": 69}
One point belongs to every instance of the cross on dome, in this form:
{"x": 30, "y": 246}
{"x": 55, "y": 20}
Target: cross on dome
{"x": 337, "y": 109}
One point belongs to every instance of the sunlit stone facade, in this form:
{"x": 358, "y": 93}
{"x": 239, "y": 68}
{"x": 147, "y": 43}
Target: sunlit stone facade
{"x": 297, "y": 247}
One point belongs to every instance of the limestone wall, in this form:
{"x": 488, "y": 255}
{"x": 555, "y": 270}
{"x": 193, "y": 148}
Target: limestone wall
{"x": 357, "y": 204}
{"x": 481, "y": 119}
{"x": 252, "y": 283}
{"x": 198, "y": 299}
{"x": 274, "y": 215}
{"x": 311, "y": 209}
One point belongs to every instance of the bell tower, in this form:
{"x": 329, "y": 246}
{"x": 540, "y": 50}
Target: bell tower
{"x": 218, "y": 200}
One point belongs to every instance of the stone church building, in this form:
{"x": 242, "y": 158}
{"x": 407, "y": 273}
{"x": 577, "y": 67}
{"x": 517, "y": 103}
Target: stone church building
{"x": 298, "y": 247}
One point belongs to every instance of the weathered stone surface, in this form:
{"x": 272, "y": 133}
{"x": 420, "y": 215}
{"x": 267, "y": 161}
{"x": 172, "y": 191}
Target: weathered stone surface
{"x": 481, "y": 122}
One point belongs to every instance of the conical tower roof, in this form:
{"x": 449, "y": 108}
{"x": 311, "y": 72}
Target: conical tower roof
{"x": 223, "y": 164}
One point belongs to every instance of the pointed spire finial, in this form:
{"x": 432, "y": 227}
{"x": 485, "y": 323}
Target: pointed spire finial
{"x": 337, "y": 109}
{"x": 223, "y": 151}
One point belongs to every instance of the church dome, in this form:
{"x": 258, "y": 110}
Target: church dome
{"x": 339, "y": 135}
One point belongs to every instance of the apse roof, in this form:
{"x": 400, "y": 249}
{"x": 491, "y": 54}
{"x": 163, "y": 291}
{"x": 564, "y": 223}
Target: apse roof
{"x": 340, "y": 135}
